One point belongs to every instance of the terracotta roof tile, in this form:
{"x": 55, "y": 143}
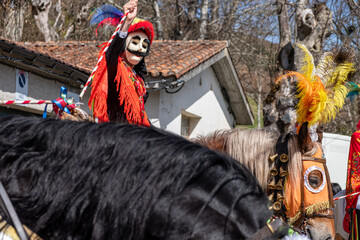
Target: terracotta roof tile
{"x": 167, "y": 58}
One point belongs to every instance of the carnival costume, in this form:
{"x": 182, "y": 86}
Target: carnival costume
{"x": 118, "y": 91}
{"x": 353, "y": 185}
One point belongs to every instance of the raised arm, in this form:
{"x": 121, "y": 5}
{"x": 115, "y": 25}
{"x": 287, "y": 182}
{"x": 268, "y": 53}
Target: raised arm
{"x": 117, "y": 46}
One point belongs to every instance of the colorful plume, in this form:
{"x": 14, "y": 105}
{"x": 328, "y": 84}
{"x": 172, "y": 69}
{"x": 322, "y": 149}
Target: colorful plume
{"x": 106, "y": 14}
{"x": 321, "y": 89}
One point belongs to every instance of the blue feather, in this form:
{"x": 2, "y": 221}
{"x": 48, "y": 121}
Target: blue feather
{"x": 354, "y": 90}
{"x": 104, "y": 12}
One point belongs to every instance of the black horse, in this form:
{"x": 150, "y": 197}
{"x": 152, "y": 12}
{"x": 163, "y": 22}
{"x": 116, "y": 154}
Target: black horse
{"x": 71, "y": 180}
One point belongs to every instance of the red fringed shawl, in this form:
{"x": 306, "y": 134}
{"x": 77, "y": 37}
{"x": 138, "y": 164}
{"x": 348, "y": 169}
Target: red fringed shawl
{"x": 131, "y": 90}
{"x": 353, "y": 177}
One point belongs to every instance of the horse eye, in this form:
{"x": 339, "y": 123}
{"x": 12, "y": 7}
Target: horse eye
{"x": 315, "y": 178}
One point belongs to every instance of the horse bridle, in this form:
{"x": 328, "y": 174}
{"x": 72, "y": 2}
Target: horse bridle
{"x": 302, "y": 221}
{"x": 301, "y": 225}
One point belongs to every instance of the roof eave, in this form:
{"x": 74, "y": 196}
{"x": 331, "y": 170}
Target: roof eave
{"x": 16, "y": 56}
{"x": 229, "y": 80}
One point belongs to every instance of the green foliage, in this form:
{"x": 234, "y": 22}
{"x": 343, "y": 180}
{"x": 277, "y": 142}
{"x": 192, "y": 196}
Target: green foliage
{"x": 254, "y": 107}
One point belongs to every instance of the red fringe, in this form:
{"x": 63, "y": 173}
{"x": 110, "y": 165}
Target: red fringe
{"x": 97, "y": 102}
{"x": 128, "y": 96}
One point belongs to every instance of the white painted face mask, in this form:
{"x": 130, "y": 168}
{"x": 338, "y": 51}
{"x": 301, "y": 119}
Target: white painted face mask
{"x": 137, "y": 47}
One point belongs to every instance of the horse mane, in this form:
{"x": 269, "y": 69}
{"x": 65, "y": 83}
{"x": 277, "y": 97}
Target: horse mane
{"x": 81, "y": 180}
{"x": 214, "y": 140}
{"x": 252, "y": 147}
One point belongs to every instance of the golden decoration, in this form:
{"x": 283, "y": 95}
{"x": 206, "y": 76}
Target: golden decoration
{"x": 273, "y": 157}
{"x": 272, "y": 184}
{"x": 284, "y": 158}
{"x": 271, "y": 197}
{"x": 279, "y": 186}
{"x": 280, "y": 197}
{"x": 277, "y": 206}
{"x": 283, "y": 172}
{"x": 274, "y": 171}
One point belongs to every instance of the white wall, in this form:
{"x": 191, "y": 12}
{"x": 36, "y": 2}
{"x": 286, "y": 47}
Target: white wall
{"x": 39, "y": 88}
{"x": 152, "y": 107}
{"x": 336, "y": 148}
{"x": 200, "y": 96}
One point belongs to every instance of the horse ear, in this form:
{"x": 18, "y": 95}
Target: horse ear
{"x": 305, "y": 142}
{"x": 320, "y": 133}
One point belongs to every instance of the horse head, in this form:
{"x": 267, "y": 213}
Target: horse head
{"x": 309, "y": 200}
{"x": 295, "y": 177}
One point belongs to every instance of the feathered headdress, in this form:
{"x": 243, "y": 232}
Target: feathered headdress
{"x": 110, "y": 15}
{"x": 321, "y": 90}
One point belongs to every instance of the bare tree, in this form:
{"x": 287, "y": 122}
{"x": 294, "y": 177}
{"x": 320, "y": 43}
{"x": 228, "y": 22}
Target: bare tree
{"x": 14, "y": 19}
{"x": 159, "y": 26}
{"x": 203, "y": 20}
{"x": 42, "y": 9}
{"x": 312, "y": 27}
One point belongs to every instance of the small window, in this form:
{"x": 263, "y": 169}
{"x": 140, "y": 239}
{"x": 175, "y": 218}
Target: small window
{"x": 188, "y": 123}
{"x": 185, "y": 126}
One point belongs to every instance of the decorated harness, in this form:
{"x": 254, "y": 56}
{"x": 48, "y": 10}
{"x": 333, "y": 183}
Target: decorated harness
{"x": 313, "y": 202}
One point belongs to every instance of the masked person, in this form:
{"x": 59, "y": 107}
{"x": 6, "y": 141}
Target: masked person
{"x": 118, "y": 90}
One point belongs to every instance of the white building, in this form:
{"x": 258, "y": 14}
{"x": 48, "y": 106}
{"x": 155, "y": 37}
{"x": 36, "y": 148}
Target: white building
{"x": 336, "y": 148}
{"x": 203, "y": 92}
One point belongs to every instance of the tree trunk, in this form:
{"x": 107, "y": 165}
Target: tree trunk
{"x": 159, "y": 26}
{"x": 191, "y": 21}
{"x": 177, "y": 29}
{"x": 41, "y": 16}
{"x": 203, "y": 20}
{"x": 259, "y": 101}
{"x": 313, "y": 26}
{"x": 84, "y": 12}
{"x": 14, "y": 20}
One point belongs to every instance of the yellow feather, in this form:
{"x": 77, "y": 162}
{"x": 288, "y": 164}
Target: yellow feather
{"x": 307, "y": 66}
{"x": 340, "y": 74}
{"x": 319, "y": 105}
{"x": 336, "y": 100}
{"x": 322, "y": 95}
{"x": 325, "y": 67}
{"x": 336, "y": 90}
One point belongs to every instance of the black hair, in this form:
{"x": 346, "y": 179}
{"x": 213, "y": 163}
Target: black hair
{"x": 72, "y": 180}
{"x": 335, "y": 187}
